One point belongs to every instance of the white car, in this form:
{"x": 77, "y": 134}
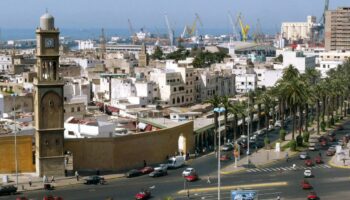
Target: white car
{"x": 188, "y": 171}
{"x": 307, "y": 173}
{"x": 278, "y": 123}
{"x": 303, "y": 155}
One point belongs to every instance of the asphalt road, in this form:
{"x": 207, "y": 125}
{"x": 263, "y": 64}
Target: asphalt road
{"x": 329, "y": 183}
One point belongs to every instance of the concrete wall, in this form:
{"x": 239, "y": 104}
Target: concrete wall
{"x": 128, "y": 152}
{"x": 24, "y": 154}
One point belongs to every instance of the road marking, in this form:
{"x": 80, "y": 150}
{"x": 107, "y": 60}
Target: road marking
{"x": 232, "y": 187}
{"x": 327, "y": 166}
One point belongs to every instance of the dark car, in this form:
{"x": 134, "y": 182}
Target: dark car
{"x": 158, "y": 172}
{"x": 227, "y": 147}
{"x": 331, "y": 151}
{"x": 94, "y": 180}
{"x": 309, "y": 162}
{"x": 133, "y": 173}
{"x": 8, "y": 189}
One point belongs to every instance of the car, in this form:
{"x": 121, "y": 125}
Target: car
{"x": 260, "y": 132}
{"x": 21, "y": 198}
{"x": 188, "y": 171}
{"x": 133, "y": 173}
{"x": 308, "y": 173}
{"x": 331, "y": 133}
{"x": 94, "y": 180}
{"x": 50, "y": 197}
{"x": 303, "y": 155}
{"x": 146, "y": 170}
{"x": 323, "y": 142}
{"x": 158, "y": 171}
{"x": 312, "y": 196}
{"x": 309, "y": 163}
{"x": 192, "y": 177}
{"x": 312, "y": 146}
{"x": 331, "y": 138}
{"x": 143, "y": 195}
{"x": 318, "y": 160}
{"x": 322, "y": 138}
{"x": 8, "y": 189}
{"x": 225, "y": 157}
{"x": 227, "y": 147}
{"x": 305, "y": 185}
{"x": 278, "y": 123}
{"x": 331, "y": 151}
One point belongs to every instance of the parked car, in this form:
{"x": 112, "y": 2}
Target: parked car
{"x": 278, "y": 123}
{"x": 133, "y": 173}
{"x": 225, "y": 157}
{"x": 158, "y": 171}
{"x": 312, "y": 196}
{"x": 303, "y": 155}
{"x": 21, "y": 198}
{"x": 318, "y": 160}
{"x": 146, "y": 170}
{"x": 323, "y": 142}
{"x": 94, "y": 180}
{"x": 308, "y": 173}
{"x": 227, "y": 147}
{"x": 331, "y": 151}
{"x": 188, "y": 171}
{"x": 260, "y": 132}
{"x": 50, "y": 197}
{"x": 312, "y": 146}
{"x": 309, "y": 163}
{"x": 8, "y": 189}
{"x": 305, "y": 185}
{"x": 331, "y": 138}
{"x": 143, "y": 195}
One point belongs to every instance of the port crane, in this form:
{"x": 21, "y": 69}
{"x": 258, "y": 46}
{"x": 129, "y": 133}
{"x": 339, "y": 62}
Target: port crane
{"x": 132, "y": 32}
{"x": 191, "y": 31}
{"x": 170, "y": 31}
{"x": 244, "y": 28}
{"x": 234, "y": 31}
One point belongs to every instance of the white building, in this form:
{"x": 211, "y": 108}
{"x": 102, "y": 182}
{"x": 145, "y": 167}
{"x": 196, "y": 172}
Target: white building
{"x": 297, "y": 59}
{"x": 77, "y": 128}
{"x": 6, "y": 62}
{"x": 293, "y": 31}
{"x": 268, "y": 77}
{"x": 330, "y": 60}
{"x": 246, "y": 82}
{"x": 86, "y": 44}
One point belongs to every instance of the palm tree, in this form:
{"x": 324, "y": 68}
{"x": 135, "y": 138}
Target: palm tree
{"x": 215, "y": 102}
{"x": 235, "y": 109}
{"x": 226, "y": 104}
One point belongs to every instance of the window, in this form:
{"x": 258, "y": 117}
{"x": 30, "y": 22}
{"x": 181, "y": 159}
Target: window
{"x": 182, "y": 99}
{"x": 65, "y": 98}
{"x": 191, "y": 74}
{"x": 78, "y": 109}
{"x": 71, "y": 133}
{"x": 249, "y": 83}
{"x": 178, "y": 80}
{"x": 72, "y": 109}
{"x": 155, "y": 89}
{"x": 174, "y": 89}
{"x": 173, "y": 100}
{"x": 242, "y": 83}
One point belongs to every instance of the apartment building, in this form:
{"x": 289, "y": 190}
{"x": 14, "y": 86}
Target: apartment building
{"x": 337, "y": 32}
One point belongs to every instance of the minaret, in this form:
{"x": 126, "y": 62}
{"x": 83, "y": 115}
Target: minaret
{"x": 48, "y": 101}
{"x": 143, "y": 60}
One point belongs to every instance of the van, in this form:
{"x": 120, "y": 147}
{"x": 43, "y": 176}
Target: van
{"x": 176, "y": 162}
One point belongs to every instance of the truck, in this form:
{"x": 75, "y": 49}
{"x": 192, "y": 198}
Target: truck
{"x": 176, "y": 162}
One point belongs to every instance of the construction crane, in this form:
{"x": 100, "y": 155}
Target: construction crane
{"x": 234, "y": 32}
{"x": 132, "y": 32}
{"x": 258, "y": 35}
{"x": 317, "y": 32}
{"x": 326, "y": 7}
{"x": 244, "y": 28}
{"x": 170, "y": 31}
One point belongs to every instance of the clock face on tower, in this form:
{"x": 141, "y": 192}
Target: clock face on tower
{"x": 49, "y": 43}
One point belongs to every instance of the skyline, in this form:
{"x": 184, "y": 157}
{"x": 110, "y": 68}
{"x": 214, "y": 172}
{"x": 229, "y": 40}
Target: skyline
{"x": 114, "y": 14}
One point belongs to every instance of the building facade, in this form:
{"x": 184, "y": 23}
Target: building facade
{"x": 337, "y": 32}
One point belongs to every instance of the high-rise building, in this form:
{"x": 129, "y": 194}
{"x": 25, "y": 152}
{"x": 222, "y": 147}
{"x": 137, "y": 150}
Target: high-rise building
{"x": 337, "y": 29}
{"x": 48, "y": 101}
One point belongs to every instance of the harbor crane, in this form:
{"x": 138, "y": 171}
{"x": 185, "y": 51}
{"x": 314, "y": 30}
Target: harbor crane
{"x": 234, "y": 31}
{"x": 244, "y": 28}
{"x": 317, "y": 32}
{"x": 170, "y": 31}
{"x": 191, "y": 31}
{"x": 132, "y": 32}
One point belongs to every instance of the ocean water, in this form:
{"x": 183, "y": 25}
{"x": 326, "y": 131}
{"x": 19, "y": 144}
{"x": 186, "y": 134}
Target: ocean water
{"x": 93, "y": 33}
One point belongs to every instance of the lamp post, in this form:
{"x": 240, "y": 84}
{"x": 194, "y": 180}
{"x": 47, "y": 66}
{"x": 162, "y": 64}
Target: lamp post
{"x": 14, "y": 95}
{"x": 219, "y": 110}
{"x": 248, "y": 128}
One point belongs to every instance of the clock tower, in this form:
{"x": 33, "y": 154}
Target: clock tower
{"x": 48, "y": 101}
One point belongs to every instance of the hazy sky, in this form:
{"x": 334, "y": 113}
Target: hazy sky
{"x": 150, "y": 13}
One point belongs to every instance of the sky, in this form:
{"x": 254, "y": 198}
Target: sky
{"x": 81, "y": 14}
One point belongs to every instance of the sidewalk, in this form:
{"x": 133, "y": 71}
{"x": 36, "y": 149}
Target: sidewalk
{"x": 37, "y": 182}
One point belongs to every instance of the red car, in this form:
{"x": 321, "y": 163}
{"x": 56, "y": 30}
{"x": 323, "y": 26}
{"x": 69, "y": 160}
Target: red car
{"x": 191, "y": 177}
{"x": 306, "y": 185}
{"x": 143, "y": 195}
{"x": 308, "y": 162}
{"x": 146, "y": 170}
{"x": 312, "y": 196}
{"x": 225, "y": 157}
{"x": 318, "y": 160}
{"x": 50, "y": 197}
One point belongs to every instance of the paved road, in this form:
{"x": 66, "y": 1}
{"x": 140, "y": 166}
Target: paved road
{"x": 328, "y": 182}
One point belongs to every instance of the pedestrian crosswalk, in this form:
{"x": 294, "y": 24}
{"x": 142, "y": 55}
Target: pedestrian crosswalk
{"x": 278, "y": 169}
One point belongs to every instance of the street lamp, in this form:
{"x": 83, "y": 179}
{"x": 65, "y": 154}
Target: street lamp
{"x": 219, "y": 110}
{"x": 14, "y": 95}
